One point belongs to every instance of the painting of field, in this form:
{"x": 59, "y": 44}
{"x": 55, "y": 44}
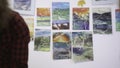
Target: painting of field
{"x": 82, "y": 46}
{"x": 42, "y": 40}
{"x": 43, "y": 16}
{"x": 30, "y": 22}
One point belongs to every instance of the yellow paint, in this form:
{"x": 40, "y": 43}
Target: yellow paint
{"x": 81, "y": 3}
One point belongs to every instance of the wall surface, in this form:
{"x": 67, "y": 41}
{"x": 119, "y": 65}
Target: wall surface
{"x": 106, "y": 48}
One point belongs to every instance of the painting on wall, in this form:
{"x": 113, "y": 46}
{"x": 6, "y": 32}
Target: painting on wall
{"x": 60, "y": 15}
{"x": 61, "y": 45}
{"x": 43, "y": 16}
{"x": 117, "y": 16}
{"x": 30, "y": 22}
{"x": 80, "y": 18}
{"x": 102, "y": 22}
{"x": 101, "y": 2}
{"x": 82, "y": 46}
{"x": 42, "y": 40}
{"x": 23, "y": 6}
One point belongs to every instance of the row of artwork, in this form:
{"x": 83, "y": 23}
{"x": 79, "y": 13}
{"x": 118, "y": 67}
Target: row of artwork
{"x": 102, "y": 22}
{"x": 101, "y": 18}
{"x": 27, "y": 6}
{"x": 66, "y": 45}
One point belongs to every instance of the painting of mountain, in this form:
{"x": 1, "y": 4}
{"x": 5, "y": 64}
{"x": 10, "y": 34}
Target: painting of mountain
{"x": 102, "y": 22}
{"x": 80, "y": 18}
{"x": 60, "y": 15}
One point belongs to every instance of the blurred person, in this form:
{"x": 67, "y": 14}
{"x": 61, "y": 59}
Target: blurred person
{"x": 14, "y": 38}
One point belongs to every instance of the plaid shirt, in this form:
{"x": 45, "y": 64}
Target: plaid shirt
{"x": 14, "y": 44}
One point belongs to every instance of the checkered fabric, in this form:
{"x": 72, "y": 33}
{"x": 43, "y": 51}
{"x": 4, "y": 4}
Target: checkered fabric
{"x": 14, "y": 44}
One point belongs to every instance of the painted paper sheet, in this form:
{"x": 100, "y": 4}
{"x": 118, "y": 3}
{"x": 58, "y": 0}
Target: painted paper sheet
{"x": 30, "y": 23}
{"x": 60, "y": 15}
{"x": 102, "y": 2}
{"x": 22, "y": 5}
{"x": 61, "y": 45}
{"x": 80, "y": 18}
{"x": 117, "y": 16}
{"x": 102, "y": 22}
{"x": 82, "y": 46}
{"x": 43, "y": 16}
{"x": 42, "y": 40}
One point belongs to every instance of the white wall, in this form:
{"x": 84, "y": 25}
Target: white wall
{"x": 106, "y": 48}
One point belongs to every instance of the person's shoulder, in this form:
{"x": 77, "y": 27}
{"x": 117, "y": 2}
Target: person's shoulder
{"x": 14, "y": 13}
{"x": 16, "y": 16}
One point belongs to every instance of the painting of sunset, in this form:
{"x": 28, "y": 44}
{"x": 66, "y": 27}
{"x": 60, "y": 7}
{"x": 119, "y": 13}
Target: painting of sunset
{"x": 81, "y": 18}
{"x": 43, "y": 16}
{"x": 61, "y": 45}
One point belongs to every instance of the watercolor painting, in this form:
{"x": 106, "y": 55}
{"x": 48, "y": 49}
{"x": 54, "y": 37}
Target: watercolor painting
{"x": 60, "y": 15}
{"x": 117, "y": 16}
{"x": 23, "y": 6}
{"x": 80, "y": 18}
{"x": 42, "y": 40}
{"x": 102, "y": 22}
{"x": 30, "y": 23}
{"x": 61, "y": 45}
{"x": 102, "y": 2}
{"x": 82, "y": 46}
{"x": 43, "y": 16}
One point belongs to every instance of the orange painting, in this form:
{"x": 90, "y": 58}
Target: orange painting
{"x": 81, "y": 11}
{"x": 43, "y": 11}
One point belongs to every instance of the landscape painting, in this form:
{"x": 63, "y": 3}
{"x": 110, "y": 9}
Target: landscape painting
{"x": 30, "y": 23}
{"x": 61, "y": 45}
{"x": 117, "y": 16}
{"x": 60, "y": 15}
{"x": 43, "y": 16}
{"x": 42, "y": 40}
{"x": 102, "y": 22}
{"x": 102, "y": 2}
{"x": 82, "y": 46}
{"x": 23, "y": 6}
{"x": 80, "y": 18}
